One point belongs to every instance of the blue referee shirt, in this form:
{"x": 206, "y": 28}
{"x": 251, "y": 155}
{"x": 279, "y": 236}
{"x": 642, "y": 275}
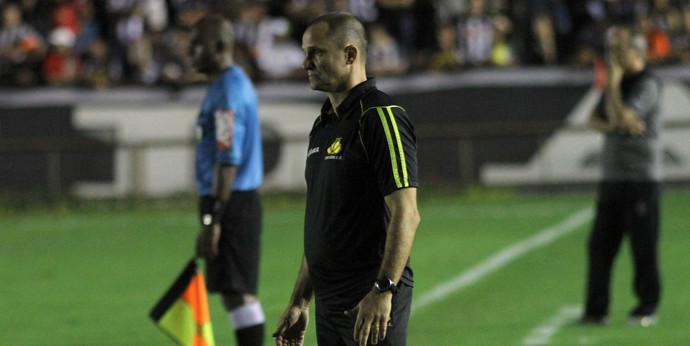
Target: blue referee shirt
{"x": 229, "y": 132}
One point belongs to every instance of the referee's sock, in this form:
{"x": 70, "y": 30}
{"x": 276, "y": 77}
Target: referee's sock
{"x": 248, "y": 322}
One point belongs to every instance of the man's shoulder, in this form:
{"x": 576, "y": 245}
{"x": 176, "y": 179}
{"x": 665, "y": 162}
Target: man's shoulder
{"x": 236, "y": 86}
{"x": 375, "y": 98}
{"x": 234, "y": 77}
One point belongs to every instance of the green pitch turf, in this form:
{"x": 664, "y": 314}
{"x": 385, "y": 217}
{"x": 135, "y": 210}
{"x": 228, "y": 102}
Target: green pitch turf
{"x": 88, "y": 275}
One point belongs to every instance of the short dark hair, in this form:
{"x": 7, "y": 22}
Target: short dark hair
{"x": 216, "y": 27}
{"x": 345, "y": 28}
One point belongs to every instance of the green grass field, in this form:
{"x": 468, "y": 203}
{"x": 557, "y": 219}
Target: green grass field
{"x": 88, "y": 275}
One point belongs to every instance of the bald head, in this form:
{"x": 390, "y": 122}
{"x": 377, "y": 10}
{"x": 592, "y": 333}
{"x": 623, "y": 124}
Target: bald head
{"x": 334, "y": 48}
{"x": 344, "y": 29}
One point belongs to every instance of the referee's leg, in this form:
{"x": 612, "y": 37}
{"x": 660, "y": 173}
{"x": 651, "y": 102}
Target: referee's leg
{"x": 240, "y": 243}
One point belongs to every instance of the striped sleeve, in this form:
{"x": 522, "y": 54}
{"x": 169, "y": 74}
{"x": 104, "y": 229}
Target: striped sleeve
{"x": 388, "y": 138}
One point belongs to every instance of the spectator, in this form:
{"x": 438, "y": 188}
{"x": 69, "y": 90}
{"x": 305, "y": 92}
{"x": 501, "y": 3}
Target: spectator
{"x": 67, "y": 14}
{"x": 188, "y": 12}
{"x": 584, "y": 56}
{"x": 662, "y": 14}
{"x": 61, "y": 66}
{"x": 144, "y": 61}
{"x": 384, "y": 56}
{"x": 446, "y": 57}
{"x": 448, "y": 11}
{"x": 176, "y": 69}
{"x": 22, "y": 49}
{"x": 156, "y": 15}
{"x": 614, "y": 11}
{"x": 245, "y": 28}
{"x": 90, "y": 28}
{"x": 681, "y": 39}
{"x": 35, "y": 15}
{"x": 98, "y": 70}
{"x": 589, "y": 40}
{"x": 546, "y": 28}
{"x": 503, "y": 53}
{"x": 544, "y": 49}
{"x": 424, "y": 29}
{"x": 399, "y": 20}
{"x": 126, "y": 27}
{"x": 476, "y": 35}
{"x": 301, "y": 12}
{"x": 659, "y": 44}
{"x": 278, "y": 56}
{"x": 488, "y": 33}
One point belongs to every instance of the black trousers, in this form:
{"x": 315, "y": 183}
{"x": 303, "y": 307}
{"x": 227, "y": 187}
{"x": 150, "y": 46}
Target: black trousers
{"x": 333, "y": 328}
{"x": 625, "y": 209}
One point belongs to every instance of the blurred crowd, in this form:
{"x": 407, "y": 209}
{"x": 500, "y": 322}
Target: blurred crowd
{"x": 104, "y": 43}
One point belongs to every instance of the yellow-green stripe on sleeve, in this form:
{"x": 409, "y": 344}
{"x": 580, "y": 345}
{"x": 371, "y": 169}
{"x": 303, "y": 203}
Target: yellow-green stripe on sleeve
{"x": 395, "y": 146}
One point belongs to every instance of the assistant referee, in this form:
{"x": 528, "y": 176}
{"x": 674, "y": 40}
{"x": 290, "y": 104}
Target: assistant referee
{"x": 229, "y": 170}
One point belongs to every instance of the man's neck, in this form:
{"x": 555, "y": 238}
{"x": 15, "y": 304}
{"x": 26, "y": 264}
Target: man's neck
{"x": 337, "y": 98}
{"x": 226, "y": 65}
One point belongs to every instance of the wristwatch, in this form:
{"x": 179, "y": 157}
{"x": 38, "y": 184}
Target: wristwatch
{"x": 385, "y": 284}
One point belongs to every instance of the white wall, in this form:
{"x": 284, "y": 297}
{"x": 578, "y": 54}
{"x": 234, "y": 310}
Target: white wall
{"x": 155, "y": 146}
{"x": 567, "y": 156}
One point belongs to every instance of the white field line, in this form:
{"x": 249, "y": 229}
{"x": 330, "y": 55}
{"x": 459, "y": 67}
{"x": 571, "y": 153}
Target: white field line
{"x": 542, "y": 334}
{"x": 501, "y": 259}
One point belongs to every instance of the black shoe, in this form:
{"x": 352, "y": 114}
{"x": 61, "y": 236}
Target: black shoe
{"x": 594, "y": 320}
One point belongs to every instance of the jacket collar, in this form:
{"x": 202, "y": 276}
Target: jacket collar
{"x": 345, "y": 108}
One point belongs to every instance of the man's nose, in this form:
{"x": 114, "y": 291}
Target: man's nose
{"x": 307, "y": 64}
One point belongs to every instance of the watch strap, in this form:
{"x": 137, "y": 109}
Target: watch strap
{"x": 386, "y": 284}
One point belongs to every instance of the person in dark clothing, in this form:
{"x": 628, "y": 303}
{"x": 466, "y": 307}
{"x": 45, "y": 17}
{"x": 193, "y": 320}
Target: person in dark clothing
{"x": 629, "y": 116}
{"x": 361, "y": 212}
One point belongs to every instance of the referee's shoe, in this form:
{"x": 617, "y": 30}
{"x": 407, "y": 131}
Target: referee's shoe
{"x": 642, "y": 320}
{"x": 594, "y": 320}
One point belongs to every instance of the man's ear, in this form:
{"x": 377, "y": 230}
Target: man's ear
{"x": 350, "y": 54}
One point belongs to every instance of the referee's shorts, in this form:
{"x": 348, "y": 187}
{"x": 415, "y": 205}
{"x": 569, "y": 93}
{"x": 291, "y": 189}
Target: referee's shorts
{"x": 236, "y": 268}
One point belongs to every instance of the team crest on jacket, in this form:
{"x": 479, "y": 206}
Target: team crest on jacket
{"x": 336, "y": 147}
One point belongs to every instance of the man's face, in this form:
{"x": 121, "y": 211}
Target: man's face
{"x": 203, "y": 50}
{"x": 324, "y": 61}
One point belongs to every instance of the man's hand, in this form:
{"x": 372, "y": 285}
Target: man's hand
{"x": 632, "y": 124}
{"x": 207, "y": 241}
{"x": 292, "y": 327}
{"x": 373, "y": 313}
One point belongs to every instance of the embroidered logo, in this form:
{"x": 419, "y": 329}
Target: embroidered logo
{"x": 336, "y": 147}
{"x": 312, "y": 151}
